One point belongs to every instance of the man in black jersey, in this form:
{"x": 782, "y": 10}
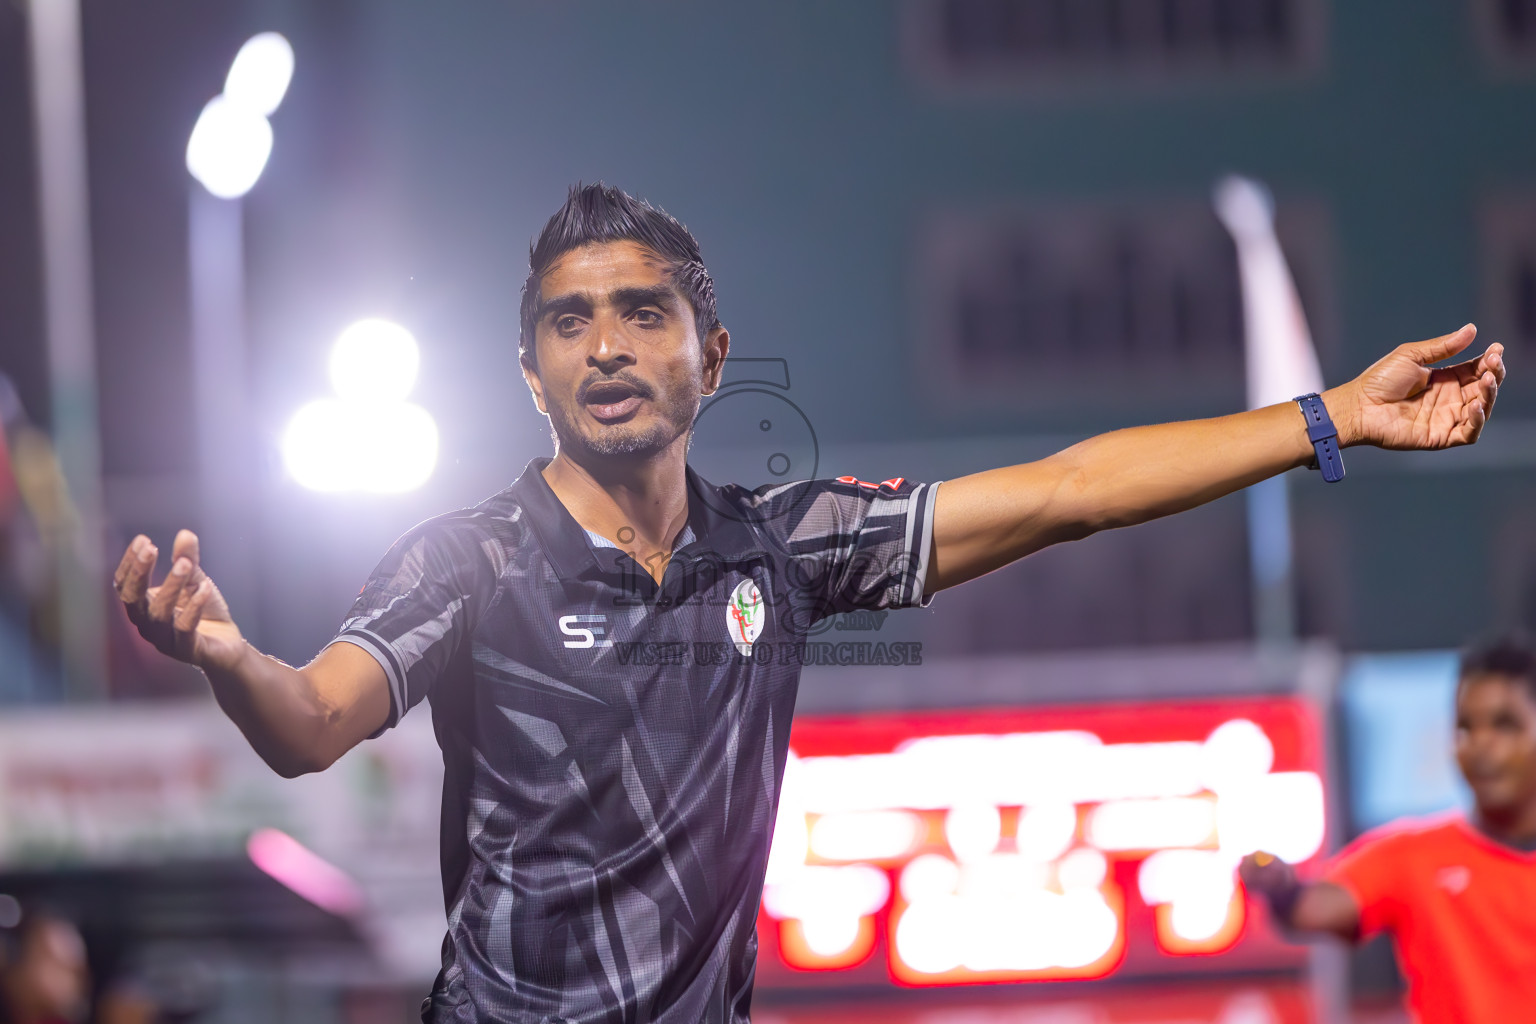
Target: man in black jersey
{"x": 611, "y": 645}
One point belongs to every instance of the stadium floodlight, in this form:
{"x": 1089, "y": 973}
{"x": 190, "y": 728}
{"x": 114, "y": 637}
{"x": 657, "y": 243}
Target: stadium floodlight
{"x": 373, "y": 367}
{"x": 229, "y": 148}
{"x": 232, "y": 140}
{"x": 259, "y": 76}
{"x": 374, "y": 361}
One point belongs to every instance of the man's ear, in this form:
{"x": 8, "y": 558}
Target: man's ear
{"x": 535, "y": 385}
{"x": 717, "y": 345}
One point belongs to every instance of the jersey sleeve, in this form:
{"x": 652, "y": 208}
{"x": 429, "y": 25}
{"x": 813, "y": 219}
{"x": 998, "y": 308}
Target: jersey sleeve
{"x": 856, "y": 544}
{"x": 1369, "y": 869}
{"x": 418, "y": 607}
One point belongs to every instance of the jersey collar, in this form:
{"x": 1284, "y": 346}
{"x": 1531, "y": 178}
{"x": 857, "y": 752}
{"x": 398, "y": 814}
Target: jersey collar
{"x": 573, "y": 556}
{"x": 1469, "y": 829}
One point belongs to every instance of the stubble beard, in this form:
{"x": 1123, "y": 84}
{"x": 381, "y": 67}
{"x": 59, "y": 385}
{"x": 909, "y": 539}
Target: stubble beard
{"x": 622, "y": 440}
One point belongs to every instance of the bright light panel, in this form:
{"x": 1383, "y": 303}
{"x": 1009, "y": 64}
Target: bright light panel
{"x": 1082, "y": 869}
{"x": 791, "y": 837}
{"x": 1198, "y": 919}
{"x": 929, "y": 876}
{"x": 829, "y": 903}
{"x": 1045, "y": 832}
{"x": 229, "y": 148}
{"x": 1281, "y": 813}
{"x": 865, "y": 835}
{"x": 973, "y": 830}
{"x": 1152, "y": 824}
{"x": 1028, "y": 893}
{"x": 1071, "y": 930}
{"x": 1236, "y": 752}
{"x": 259, "y": 77}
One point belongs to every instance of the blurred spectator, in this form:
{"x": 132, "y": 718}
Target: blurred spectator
{"x": 43, "y": 974}
{"x": 37, "y": 526}
{"x": 1457, "y": 893}
{"x": 34, "y": 513}
{"x": 128, "y": 1004}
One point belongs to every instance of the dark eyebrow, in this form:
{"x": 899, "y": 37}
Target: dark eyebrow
{"x": 581, "y": 303}
{"x": 655, "y": 295}
{"x": 571, "y": 302}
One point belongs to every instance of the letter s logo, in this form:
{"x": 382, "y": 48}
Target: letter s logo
{"x": 586, "y": 636}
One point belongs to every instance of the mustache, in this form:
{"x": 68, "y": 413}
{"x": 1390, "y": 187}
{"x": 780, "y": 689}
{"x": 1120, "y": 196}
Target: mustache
{"x": 635, "y": 384}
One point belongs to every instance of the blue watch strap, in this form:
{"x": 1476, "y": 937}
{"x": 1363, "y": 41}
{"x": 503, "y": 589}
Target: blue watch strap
{"x": 1324, "y": 437}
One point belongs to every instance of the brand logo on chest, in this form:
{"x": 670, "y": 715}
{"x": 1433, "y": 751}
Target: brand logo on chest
{"x": 1454, "y": 880}
{"x": 588, "y": 630}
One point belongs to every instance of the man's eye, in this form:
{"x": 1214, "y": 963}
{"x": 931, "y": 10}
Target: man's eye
{"x": 567, "y": 324}
{"x": 647, "y": 317}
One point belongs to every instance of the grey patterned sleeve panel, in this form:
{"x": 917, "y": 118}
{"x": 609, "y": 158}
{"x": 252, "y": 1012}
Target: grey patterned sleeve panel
{"x": 870, "y": 544}
{"x": 419, "y": 605}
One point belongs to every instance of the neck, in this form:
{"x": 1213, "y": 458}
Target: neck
{"x": 638, "y": 503}
{"x": 1514, "y": 827}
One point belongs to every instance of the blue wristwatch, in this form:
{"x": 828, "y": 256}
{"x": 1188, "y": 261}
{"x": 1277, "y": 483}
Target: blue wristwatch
{"x": 1324, "y": 437}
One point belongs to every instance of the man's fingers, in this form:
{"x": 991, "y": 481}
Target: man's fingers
{"x": 164, "y": 600}
{"x": 187, "y": 546}
{"x": 130, "y": 555}
{"x": 191, "y": 613}
{"x": 1477, "y": 416}
{"x": 1474, "y": 417}
{"x": 1492, "y": 361}
{"x": 131, "y": 581}
{"x": 1443, "y": 347}
{"x": 1489, "y": 388}
{"x": 128, "y": 561}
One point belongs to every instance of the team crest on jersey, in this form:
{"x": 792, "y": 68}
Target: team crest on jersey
{"x": 745, "y": 616}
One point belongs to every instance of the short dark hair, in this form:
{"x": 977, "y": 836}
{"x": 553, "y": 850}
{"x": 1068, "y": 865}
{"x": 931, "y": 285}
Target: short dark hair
{"x": 602, "y": 213}
{"x": 1510, "y": 655}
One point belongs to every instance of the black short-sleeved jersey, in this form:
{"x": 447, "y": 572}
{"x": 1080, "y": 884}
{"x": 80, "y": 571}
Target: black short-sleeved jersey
{"x": 613, "y": 747}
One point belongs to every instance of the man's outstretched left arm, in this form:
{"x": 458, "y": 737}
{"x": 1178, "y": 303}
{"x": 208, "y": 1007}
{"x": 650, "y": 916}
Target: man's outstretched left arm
{"x": 984, "y": 521}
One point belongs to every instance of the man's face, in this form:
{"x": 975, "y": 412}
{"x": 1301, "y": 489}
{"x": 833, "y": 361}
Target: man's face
{"x": 1496, "y": 741}
{"x": 620, "y": 369}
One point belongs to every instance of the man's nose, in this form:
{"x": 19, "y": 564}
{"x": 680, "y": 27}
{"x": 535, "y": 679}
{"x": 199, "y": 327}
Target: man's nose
{"x": 610, "y": 345}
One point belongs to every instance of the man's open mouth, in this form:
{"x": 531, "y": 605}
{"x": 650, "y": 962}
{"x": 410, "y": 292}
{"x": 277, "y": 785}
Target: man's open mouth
{"x": 611, "y": 400}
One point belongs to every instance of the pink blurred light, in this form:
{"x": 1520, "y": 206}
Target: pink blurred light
{"x": 287, "y": 860}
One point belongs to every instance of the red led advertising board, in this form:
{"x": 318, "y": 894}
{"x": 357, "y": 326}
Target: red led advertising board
{"x": 1060, "y": 843}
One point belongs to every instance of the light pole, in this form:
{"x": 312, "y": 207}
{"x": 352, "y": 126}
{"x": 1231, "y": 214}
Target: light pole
{"x": 58, "y": 102}
{"x": 1281, "y": 364}
{"x": 226, "y": 154}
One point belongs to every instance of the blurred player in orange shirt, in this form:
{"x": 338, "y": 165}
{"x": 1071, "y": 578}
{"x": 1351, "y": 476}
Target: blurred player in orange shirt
{"x": 1457, "y": 893}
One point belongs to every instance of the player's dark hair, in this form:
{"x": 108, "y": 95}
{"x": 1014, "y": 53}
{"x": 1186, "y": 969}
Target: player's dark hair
{"x": 1510, "y": 655}
{"x": 602, "y": 213}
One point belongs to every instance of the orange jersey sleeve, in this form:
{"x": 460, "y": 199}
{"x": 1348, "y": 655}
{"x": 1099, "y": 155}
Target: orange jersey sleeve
{"x": 1369, "y": 869}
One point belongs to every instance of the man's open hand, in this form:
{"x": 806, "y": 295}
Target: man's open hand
{"x": 1401, "y": 403}
{"x": 185, "y": 617}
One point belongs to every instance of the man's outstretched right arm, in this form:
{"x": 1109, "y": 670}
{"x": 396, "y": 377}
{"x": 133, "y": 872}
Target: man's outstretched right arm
{"x": 1319, "y": 908}
{"x": 298, "y": 719}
